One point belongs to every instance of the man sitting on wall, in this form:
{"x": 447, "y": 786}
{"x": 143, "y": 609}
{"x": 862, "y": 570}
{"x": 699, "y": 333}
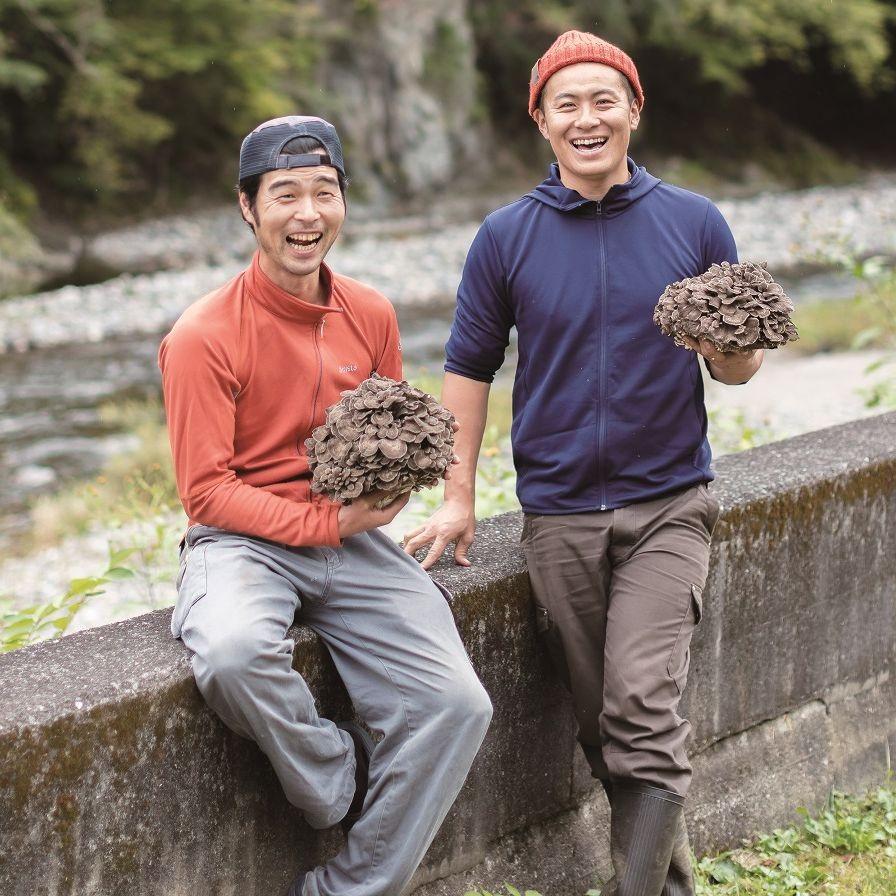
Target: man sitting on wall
{"x": 248, "y": 372}
{"x": 609, "y": 437}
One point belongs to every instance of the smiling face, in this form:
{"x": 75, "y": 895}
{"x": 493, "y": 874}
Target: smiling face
{"x": 297, "y": 215}
{"x": 587, "y": 114}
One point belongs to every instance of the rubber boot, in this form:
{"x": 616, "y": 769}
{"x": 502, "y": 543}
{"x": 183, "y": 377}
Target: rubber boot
{"x": 680, "y": 879}
{"x": 646, "y": 824}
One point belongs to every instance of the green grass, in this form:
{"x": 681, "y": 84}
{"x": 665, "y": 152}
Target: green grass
{"x": 840, "y": 325}
{"x": 866, "y": 321}
{"x": 847, "y": 849}
{"x": 134, "y": 485}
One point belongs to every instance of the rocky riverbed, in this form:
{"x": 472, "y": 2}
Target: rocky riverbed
{"x": 413, "y": 260}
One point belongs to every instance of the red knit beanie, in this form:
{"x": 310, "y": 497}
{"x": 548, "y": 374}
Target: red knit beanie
{"x": 580, "y": 46}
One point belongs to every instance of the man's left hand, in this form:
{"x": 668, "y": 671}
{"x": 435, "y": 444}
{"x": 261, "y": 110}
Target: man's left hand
{"x": 731, "y": 368}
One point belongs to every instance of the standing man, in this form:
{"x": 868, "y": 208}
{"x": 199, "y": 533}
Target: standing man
{"x": 248, "y": 372}
{"x": 609, "y": 437}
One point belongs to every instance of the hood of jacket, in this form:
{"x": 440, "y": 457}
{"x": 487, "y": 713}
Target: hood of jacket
{"x": 619, "y": 197}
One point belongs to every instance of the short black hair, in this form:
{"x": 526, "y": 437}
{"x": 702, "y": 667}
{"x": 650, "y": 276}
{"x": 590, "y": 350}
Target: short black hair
{"x": 296, "y": 147}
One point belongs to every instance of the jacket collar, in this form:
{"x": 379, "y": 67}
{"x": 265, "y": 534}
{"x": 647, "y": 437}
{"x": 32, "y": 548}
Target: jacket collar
{"x": 284, "y": 304}
{"x": 619, "y": 197}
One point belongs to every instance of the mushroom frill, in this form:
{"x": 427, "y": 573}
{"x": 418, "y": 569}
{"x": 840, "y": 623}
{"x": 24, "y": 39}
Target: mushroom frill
{"x": 383, "y": 436}
{"x": 737, "y": 307}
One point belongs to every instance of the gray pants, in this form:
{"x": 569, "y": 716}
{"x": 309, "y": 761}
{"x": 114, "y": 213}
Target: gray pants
{"x": 393, "y": 640}
{"x": 618, "y": 594}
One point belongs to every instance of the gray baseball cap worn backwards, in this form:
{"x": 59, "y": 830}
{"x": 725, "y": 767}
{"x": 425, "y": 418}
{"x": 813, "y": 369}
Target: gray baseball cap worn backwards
{"x": 262, "y": 149}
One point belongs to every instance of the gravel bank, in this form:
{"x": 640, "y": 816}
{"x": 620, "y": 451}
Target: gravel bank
{"x": 412, "y": 260}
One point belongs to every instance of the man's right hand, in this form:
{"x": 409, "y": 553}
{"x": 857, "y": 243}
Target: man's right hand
{"x": 455, "y": 520}
{"x": 361, "y": 515}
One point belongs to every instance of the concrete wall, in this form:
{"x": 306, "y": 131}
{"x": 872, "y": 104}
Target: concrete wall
{"x": 115, "y": 778}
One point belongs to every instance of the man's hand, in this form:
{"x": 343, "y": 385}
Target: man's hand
{"x": 731, "y": 368}
{"x": 454, "y": 520}
{"x": 361, "y": 515}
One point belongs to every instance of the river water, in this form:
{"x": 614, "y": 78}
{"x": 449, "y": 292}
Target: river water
{"x": 51, "y": 428}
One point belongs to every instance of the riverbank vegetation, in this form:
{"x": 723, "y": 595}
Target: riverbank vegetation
{"x": 846, "y": 849}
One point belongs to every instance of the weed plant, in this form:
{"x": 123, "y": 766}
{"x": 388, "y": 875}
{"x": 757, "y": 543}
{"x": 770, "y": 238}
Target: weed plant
{"x": 847, "y": 849}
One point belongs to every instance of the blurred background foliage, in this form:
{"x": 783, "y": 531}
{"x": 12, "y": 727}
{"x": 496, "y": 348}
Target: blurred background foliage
{"x": 120, "y": 107}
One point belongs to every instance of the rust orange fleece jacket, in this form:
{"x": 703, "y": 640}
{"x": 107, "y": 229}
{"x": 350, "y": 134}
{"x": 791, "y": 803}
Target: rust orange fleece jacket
{"x": 247, "y": 372}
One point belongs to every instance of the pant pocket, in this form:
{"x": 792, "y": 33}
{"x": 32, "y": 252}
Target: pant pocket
{"x": 192, "y": 585}
{"x": 449, "y": 597}
{"x": 713, "y": 509}
{"x": 680, "y": 658}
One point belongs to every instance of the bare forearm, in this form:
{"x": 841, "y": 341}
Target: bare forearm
{"x": 468, "y": 400}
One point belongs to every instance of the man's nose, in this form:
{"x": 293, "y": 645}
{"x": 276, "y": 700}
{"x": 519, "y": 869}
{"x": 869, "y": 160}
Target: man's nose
{"x": 306, "y": 209}
{"x": 587, "y": 116}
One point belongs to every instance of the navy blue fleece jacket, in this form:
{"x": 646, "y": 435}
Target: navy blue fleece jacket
{"x": 607, "y": 411}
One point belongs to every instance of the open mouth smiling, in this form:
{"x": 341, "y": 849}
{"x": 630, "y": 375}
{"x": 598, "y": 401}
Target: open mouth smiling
{"x": 304, "y": 242}
{"x": 588, "y": 145}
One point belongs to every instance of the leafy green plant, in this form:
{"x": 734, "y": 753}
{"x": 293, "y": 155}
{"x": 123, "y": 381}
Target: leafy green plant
{"x": 852, "y": 840}
{"x": 730, "y": 431}
{"x": 876, "y": 278}
{"x": 21, "y": 626}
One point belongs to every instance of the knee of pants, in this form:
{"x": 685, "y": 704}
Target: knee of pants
{"x": 465, "y": 704}
{"x": 632, "y": 714}
{"x": 228, "y": 654}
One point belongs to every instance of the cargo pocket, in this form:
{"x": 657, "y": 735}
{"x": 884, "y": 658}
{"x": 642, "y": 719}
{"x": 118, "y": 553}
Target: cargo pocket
{"x": 192, "y": 585}
{"x": 549, "y": 636}
{"x": 680, "y": 658}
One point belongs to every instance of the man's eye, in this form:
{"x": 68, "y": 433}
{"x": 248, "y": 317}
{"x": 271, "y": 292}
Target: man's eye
{"x": 285, "y": 196}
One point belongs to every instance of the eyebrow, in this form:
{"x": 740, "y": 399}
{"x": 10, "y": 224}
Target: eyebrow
{"x": 569, "y": 95}
{"x": 290, "y": 181}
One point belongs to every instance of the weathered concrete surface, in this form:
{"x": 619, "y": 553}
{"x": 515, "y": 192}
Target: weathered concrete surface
{"x": 114, "y": 777}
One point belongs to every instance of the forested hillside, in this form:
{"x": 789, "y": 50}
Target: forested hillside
{"x": 122, "y": 108}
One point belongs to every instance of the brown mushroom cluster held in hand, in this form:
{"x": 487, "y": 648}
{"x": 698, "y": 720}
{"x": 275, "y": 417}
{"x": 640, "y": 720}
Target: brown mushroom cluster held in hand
{"x": 737, "y": 307}
{"x": 383, "y": 436}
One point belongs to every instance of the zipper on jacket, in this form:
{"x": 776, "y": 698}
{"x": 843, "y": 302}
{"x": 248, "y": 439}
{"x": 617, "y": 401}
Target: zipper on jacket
{"x": 318, "y": 330}
{"x": 602, "y": 372}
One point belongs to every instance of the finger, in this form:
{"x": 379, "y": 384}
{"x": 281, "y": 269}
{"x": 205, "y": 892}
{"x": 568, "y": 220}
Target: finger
{"x": 460, "y": 551}
{"x": 412, "y": 534}
{"x": 415, "y": 544}
{"x": 436, "y": 551}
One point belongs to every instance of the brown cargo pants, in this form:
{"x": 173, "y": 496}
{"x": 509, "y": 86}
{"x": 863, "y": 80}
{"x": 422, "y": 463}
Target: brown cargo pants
{"x": 618, "y": 594}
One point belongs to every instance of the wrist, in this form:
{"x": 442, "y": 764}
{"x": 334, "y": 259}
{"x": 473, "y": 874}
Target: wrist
{"x": 459, "y": 493}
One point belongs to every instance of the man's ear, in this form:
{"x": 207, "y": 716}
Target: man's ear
{"x": 246, "y": 210}
{"x": 538, "y": 115}
{"x": 634, "y": 115}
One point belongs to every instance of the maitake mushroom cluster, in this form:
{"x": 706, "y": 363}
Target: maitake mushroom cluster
{"x": 383, "y": 436}
{"x": 737, "y": 307}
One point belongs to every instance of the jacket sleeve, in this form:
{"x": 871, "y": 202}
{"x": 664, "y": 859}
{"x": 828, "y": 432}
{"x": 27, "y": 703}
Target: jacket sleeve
{"x": 718, "y": 246}
{"x": 718, "y": 241}
{"x": 390, "y": 363}
{"x": 200, "y": 388}
{"x": 483, "y": 316}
